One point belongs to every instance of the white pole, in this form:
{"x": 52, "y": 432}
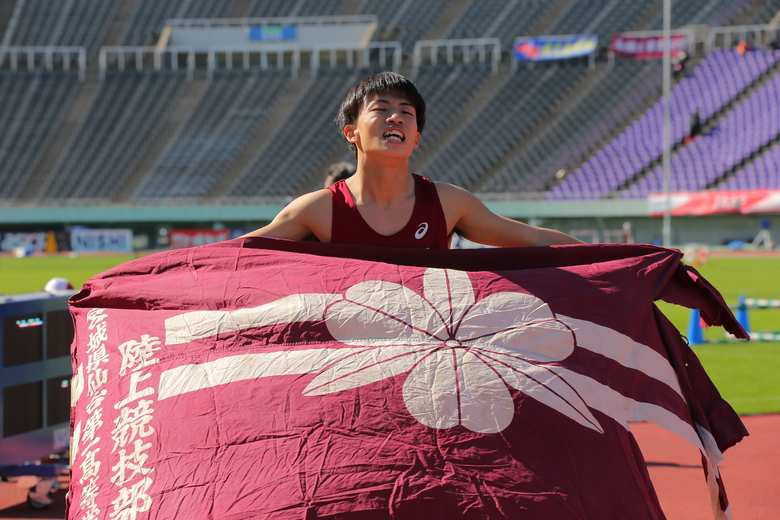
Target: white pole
{"x": 667, "y": 83}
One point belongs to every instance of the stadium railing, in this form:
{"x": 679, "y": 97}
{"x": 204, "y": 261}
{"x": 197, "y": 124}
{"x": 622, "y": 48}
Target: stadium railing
{"x": 465, "y": 50}
{"x": 757, "y": 35}
{"x": 138, "y": 56}
{"x": 282, "y": 55}
{"x": 47, "y": 58}
{"x": 386, "y": 52}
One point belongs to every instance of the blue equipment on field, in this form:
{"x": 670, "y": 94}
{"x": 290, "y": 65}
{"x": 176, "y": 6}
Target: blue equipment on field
{"x": 696, "y": 337}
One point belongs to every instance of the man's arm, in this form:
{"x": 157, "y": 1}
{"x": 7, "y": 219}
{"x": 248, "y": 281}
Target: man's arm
{"x": 308, "y": 215}
{"x": 472, "y": 220}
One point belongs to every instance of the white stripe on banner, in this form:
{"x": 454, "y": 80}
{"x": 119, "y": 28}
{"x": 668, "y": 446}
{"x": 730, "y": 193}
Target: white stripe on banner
{"x": 619, "y": 347}
{"x": 195, "y": 325}
{"x": 189, "y": 378}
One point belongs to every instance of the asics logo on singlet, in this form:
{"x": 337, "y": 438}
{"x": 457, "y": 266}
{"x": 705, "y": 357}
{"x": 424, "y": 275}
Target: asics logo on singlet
{"x": 421, "y": 231}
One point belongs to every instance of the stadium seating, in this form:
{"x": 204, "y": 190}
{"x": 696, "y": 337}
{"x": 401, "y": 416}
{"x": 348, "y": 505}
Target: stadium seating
{"x": 693, "y": 12}
{"x": 296, "y": 150}
{"x": 150, "y": 137}
{"x": 765, "y": 11}
{"x": 504, "y": 19}
{"x": 580, "y": 130}
{"x": 524, "y": 101}
{"x": 751, "y": 125}
{"x": 229, "y": 112}
{"x": 121, "y": 125}
{"x": 710, "y": 87}
{"x": 404, "y": 20}
{"x": 446, "y": 90}
{"x": 601, "y": 17}
{"x": 149, "y": 16}
{"x": 760, "y": 173}
{"x": 80, "y": 23}
{"x": 31, "y": 106}
{"x": 260, "y": 8}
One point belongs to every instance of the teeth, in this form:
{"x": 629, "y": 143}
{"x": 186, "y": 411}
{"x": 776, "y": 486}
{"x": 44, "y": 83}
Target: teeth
{"x": 394, "y": 135}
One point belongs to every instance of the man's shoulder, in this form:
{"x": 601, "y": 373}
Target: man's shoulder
{"x": 309, "y": 206}
{"x": 314, "y": 198}
{"x": 451, "y": 191}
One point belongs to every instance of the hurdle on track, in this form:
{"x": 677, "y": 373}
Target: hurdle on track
{"x": 744, "y": 304}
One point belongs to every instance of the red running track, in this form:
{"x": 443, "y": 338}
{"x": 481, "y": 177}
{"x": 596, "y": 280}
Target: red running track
{"x": 750, "y": 471}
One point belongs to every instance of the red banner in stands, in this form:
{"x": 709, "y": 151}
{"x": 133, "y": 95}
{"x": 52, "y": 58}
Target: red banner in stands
{"x": 646, "y": 47}
{"x": 713, "y": 202}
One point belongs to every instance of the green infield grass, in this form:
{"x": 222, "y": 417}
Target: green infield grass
{"x": 744, "y": 372}
{"x": 29, "y": 274}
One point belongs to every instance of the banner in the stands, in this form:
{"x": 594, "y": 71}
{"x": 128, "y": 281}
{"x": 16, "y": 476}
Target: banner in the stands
{"x": 554, "y": 47}
{"x": 713, "y": 202}
{"x": 92, "y": 240}
{"x": 646, "y": 47}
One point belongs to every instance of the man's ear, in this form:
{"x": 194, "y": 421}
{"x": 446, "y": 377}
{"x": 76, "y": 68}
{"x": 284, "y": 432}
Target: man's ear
{"x": 417, "y": 138}
{"x": 350, "y": 133}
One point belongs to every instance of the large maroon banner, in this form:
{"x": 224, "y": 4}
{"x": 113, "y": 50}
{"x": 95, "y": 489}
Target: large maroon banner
{"x": 272, "y": 379}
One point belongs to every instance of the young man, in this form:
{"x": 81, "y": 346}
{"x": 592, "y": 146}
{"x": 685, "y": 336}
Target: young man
{"x": 382, "y": 119}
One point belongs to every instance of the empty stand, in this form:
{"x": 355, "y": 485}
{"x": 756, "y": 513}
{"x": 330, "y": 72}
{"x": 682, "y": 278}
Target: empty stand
{"x": 149, "y": 16}
{"x": 31, "y": 105}
{"x": 693, "y": 12}
{"x": 230, "y": 111}
{"x": 764, "y": 12}
{"x": 263, "y": 8}
{"x": 446, "y": 90}
{"x": 600, "y": 17}
{"x": 707, "y": 89}
{"x": 745, "y": 130}
{"x": 758, "y": 174}
{"x": 497, "y": 18}
{"x": 404, "y": 20}
{"x": 559, "y": 128}
{"x": 525, "y": 100}
{"x": 301, "y": 146}
{"x": 120, "y": 126}
{"x": 580, "y": 131}
{"x": 80, "y": 23}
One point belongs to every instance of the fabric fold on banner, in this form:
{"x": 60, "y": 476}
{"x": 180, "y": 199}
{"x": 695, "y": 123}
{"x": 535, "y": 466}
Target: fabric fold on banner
{"x": 275, "y": 379}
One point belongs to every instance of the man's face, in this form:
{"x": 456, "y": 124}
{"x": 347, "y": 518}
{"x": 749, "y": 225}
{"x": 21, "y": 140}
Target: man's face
{"x": 386, "y": 124}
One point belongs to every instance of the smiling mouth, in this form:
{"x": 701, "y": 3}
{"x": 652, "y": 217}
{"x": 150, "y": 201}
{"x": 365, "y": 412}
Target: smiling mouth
{"x": 395, "y": 136}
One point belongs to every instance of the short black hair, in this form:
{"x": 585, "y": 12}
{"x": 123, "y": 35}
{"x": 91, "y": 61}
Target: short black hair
{"x": 381, "y": 83}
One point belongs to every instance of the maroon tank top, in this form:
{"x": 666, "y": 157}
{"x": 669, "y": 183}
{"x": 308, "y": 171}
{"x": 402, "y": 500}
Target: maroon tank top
{"x": 427, "y": 228}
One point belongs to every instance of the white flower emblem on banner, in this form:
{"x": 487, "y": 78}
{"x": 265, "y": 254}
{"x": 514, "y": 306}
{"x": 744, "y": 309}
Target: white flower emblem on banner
{"x": 459, "y": 355}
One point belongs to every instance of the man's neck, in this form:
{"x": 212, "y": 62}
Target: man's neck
{"x": 382, "y": 185}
